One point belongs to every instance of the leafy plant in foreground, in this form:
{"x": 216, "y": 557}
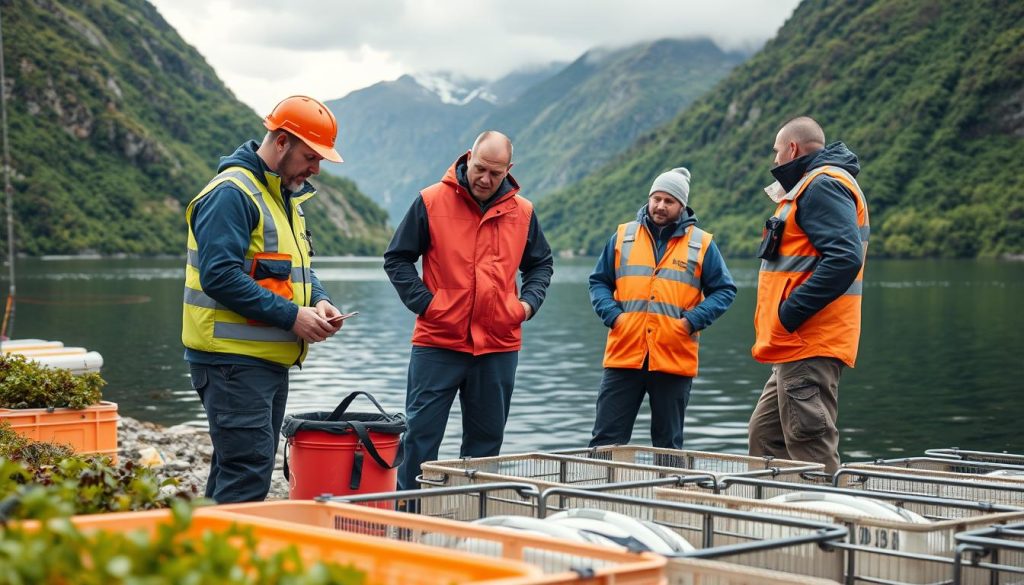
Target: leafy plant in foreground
{"x": 27, "y": 384}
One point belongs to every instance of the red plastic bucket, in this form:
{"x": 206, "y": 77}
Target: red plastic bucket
{"x": 342, "y": 454}
{"x": 322, "y": 463}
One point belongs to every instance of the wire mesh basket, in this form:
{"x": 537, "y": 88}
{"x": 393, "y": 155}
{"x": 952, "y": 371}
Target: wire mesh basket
{"x": 545, "y": 470}
{"x": 997, "y": 549}
{"x": 706, "y": 462}
{"x": 709, "y": 528}
{"x": 949, "y": 464}
{"x": 941, "y": 484}
{"x": 981, "y": 456}
{"x": 901, "y": 548}
{"x": 561, "y": 561}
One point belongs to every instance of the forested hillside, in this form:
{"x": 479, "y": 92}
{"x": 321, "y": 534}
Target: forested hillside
{"x": 116, "y": 123}
{"x": 930, "y": 95}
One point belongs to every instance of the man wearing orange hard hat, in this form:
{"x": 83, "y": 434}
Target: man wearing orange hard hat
{"x": 252, "y": 303}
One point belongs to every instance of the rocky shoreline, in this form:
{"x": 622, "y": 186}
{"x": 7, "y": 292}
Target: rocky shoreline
{"x": 182, "y": 452}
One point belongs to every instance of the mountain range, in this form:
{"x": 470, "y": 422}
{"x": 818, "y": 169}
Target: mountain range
{"x": 930, "y": 95}
{"x": 564, "y": 119}
{"x": 116, "y": 123}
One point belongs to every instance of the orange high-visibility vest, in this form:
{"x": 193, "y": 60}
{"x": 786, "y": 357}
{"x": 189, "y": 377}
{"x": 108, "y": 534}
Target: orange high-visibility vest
{"x": 833, "y": 331}
{"x": 471, "y": 268}
{"x": 653, "y": 297}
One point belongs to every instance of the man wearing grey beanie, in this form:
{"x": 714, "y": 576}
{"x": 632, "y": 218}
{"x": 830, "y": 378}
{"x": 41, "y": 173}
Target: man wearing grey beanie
{"x": 659, "y": 282}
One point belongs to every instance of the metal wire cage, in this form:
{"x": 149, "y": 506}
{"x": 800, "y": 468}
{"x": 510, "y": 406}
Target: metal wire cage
{"x": 997, "y": 549}
{"x": 710, "y": 529}
{"x": 545, "y": 470}
{"x": 560, "y": 561}
{"x": 941, "y": 484}
{"x": 981, "y": 456}
{"x": 711, "y": 463}
{"x": 878, "y": 550}
{"x": 1001, "y": 469}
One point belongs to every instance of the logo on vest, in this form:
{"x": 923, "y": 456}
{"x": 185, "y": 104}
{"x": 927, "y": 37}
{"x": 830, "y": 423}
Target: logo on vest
{"x": 679, "y": 264}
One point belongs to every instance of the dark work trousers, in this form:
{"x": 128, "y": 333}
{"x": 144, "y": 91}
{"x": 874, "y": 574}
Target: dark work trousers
{"x": 796, "y": 416}
{"x": 484, "y": 385}
{"x": 245, "y": 408}
{"x": 618, "y": 402}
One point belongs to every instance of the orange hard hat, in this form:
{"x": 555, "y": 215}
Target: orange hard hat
{"x": 310, "y": 121}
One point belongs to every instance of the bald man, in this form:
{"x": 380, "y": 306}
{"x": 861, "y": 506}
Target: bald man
{"x": 474, "y": 232}
{"x": 807, "y": 320}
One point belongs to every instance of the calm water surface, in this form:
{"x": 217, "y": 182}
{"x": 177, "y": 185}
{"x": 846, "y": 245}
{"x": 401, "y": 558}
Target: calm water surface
{"x": 939, "y": 366}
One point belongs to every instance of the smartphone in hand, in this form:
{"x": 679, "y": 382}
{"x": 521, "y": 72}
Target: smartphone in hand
{"x": 339, "y": 318}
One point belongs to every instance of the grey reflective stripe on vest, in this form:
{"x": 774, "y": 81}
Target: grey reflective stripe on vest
{"x": 302, "y": 274}
{"x": 270, "y": 238}
{"x": 245, "y": 332}
{"x": 682, "y": 276}
{"x": 634, "y": 271}
{"x": 790, "y": 264}
{"x": 666, "y": 309}
{"x": 628, "y": 238}
{"x": 200, "y": 299}
{"x": 192, "y": 258}
{"x": 696, "y": 243}
{"x": 865, "y": 232}
{"x": 786, "y": 208}
{"x": 857, "y": 288}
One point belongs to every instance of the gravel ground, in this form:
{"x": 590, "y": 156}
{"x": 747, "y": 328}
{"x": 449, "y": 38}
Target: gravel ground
{"x": 185, "y": 451}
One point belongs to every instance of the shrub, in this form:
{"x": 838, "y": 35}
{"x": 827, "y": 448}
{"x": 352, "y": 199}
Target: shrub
{"x": 27, "y": 384}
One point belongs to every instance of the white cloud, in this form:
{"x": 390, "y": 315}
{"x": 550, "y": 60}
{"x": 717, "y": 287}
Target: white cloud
{"x": 267, "y": 49}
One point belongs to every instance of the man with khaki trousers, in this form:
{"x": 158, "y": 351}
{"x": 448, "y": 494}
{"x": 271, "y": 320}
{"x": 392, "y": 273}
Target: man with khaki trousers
{"x": 807, "y": 320}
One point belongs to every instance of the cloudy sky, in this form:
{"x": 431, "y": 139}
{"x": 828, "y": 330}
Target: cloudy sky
{"x": 268, "y": 49}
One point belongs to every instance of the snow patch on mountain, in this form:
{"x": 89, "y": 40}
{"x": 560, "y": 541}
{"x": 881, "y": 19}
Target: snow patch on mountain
{"x": 453, "y": 89}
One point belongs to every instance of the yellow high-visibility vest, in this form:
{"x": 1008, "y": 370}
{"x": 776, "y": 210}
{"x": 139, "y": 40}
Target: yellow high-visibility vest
{"x": 278, "y": 258}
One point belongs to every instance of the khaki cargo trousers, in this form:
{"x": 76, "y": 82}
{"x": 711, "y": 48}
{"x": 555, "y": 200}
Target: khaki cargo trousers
{"x": 795, "y": 418}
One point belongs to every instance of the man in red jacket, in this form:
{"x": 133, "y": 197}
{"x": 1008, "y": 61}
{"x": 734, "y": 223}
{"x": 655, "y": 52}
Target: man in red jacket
{"x": 474, "y": 232}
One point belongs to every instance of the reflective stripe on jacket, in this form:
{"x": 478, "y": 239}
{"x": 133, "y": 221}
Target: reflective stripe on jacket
{"x": 835, "y": 330}
{"x": 277, "y": 259}
{"x": 470, "y": 268}
{"x": 653, "y": 297}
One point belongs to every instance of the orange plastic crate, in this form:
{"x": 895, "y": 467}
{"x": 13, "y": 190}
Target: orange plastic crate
{"x": 561, "y": 561}
{"x": 384, "y": 562}
{"x": 89, "y": 430}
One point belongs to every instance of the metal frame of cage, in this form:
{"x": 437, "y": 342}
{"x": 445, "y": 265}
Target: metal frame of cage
{"x": 984, "y": 456}
{"x": 1003, "y": 544}
{"x": 701, "y": 461}
{"x": 545, "y": 470}
{"x": 876, "y": 565}
{"x": 944, "y": 464}
{"x": 470, "y": 502}
{"x": 941, "y": 484}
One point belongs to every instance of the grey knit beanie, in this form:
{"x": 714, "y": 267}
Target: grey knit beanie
{"x": 675, "y": 182}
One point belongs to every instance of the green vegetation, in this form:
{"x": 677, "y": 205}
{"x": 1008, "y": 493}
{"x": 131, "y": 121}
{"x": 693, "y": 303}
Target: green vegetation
{"x": 573, "y": 123}
{"x": 928, "y": 94}
{"x": 43, "y": 480}
{"x": 116, "y": 123}
{"x": 170, "y": 556}
{"x": 26, "y": 384}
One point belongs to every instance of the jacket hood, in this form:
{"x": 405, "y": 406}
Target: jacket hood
{"x": 686, "y": 219}
{"x": 835, "y": 154}
{"x": 245, "y": 156}
{"x": 456, "y": 177}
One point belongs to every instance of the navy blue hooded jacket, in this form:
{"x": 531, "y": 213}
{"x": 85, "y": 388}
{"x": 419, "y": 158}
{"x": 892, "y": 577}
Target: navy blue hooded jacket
{"x": 222, "y": 222}
{"x": 827, "y": 213}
